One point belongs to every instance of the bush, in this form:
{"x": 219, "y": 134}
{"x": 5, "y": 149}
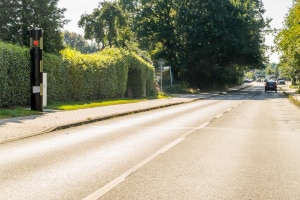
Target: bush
{"x": 180, "y": 88}
{"x": 14, "y": 75}
{"x": 107, "y": 74}
{"x": 73, "y": 76}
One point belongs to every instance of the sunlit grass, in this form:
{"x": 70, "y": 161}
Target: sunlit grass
{"x": 162, "y": 96}
{"x": 91, "y": 104}
{"x": 294, "y": 100}
{"x": 19, "y": 111}
{"x": 294, "y": 86}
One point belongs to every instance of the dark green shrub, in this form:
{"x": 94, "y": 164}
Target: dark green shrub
{"x": 73, "y": 76}
{"x": 14, "y": 75}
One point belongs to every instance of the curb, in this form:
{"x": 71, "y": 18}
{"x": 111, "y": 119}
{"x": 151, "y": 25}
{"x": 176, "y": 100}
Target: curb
{"x": 294, "y": 97}
{"x": 89, "y": 121}
{"x": 97, "y": 119}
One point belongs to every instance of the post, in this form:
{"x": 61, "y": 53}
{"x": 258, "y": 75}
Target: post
{"x": 36, "y": 48}
{"x": 161, "y": 76}
{"x": 161, "y": 63}
{"x": 44, "y": 89}
{"x": 171, "y": 76}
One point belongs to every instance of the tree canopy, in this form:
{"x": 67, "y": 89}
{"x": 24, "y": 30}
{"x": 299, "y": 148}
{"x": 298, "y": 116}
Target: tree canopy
{"x": 105, "y": 25}
{"x": 288, "y": 43}
{"x": 76, "y": 41}
{"x": 204, "y": 41}
{"x": 19, "y": 16}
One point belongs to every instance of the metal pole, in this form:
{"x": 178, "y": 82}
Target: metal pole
{"x": 161, "y": 76}
{"x": 171, "y": 77}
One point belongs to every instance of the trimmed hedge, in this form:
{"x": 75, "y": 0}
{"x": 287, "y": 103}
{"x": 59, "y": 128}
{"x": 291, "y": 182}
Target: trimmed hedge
{"x": 95, "y": 76}
{"x": 14, "y": 75}
{"x": 72, "y": 76}
{"x": 140, "y": 77}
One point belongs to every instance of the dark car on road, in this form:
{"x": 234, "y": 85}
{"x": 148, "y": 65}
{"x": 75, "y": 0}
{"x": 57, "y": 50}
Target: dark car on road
{"x": 271, "y": 86}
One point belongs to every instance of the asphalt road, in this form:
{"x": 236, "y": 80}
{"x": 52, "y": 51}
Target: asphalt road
{"x": 242, "y": 145}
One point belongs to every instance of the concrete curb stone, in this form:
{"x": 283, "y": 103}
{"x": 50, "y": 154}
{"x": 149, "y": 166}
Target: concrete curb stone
{"x": 23, "y": 127}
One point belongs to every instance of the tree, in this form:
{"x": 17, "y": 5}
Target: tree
{"x": 19, "y": 16}
{"x": 249, "y": 75}
{"x": 288, "y": 42}
{"x": 269, "y": 70}
{"x": 104, "y": 25}
{"x": 76, "y": 41}
{"x": 204, "y": 41}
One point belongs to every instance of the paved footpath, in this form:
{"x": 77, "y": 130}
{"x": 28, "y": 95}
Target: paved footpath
{"x": 286, "y": 88}
{"x": 17, "y": 128}
{"x": 22, "y": 127}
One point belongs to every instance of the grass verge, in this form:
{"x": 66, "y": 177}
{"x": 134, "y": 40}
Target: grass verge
{"x": 19, "y": 111}
{"x": 15, "y": 112}
{"x": 292, "y": 99}
{"x": 91, "y": 104}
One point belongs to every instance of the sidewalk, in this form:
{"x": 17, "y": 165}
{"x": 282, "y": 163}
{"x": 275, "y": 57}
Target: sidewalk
{"x": 22, "y": 127}
{"x": 287, "y": 90}
{"x": 17, "y": 128}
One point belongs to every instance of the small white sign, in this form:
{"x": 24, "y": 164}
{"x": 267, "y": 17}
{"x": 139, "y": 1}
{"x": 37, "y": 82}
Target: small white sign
{"x": 36, "y": 89}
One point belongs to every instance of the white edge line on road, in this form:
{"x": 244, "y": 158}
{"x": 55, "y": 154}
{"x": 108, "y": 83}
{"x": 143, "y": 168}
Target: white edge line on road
{"x": 98, "y": 193}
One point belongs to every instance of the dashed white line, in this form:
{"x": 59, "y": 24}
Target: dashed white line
{"x": 98, "y": 193}
{"x": 218, "y": 116}
{"x": 228, "y": 110}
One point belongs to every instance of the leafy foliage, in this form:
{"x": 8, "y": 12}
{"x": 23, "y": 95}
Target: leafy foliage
{"x": 100, "y": 75}
{"x": 207, "y": 43}
{"x": 201, "y": 40}
{"x": 104, "y": 25}
{"x": 288, "y": 43}
{"x": 14, "y": 75}
{"x": 74, "y": 76}
{"x": 76, "y": 41}
{"x": 19, "y": 16}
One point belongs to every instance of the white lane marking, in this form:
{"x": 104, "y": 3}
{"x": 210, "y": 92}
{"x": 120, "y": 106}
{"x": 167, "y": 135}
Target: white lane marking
{"x": 228, "y": 110}
{"x": 100, "y": 192}
{"x": 203, "y": 125}
{"x": 218, "y": 116}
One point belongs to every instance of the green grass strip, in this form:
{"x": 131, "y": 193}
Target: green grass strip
{"x": 15, "y": 112}
{"x": 93, "y": 104}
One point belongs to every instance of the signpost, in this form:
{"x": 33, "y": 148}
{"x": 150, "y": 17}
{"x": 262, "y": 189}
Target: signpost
{"x": 161, "y": 64}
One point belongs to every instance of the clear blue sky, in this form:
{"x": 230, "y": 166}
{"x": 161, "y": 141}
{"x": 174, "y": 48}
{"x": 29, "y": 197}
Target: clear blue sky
{"x": 275, "y": 9}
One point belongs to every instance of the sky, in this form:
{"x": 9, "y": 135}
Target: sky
{"x": 275, "y": 9}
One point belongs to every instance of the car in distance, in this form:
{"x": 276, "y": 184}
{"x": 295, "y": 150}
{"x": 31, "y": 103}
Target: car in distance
{"x": 270, "y": 86}
{"x": 281, "y": 81}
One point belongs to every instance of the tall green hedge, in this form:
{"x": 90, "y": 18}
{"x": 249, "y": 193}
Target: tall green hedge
{"x": 140, "y": 77}
{"x": 95, "y": 76}
{"x": 73, "y": 76}
{"x": 14, "y": 75}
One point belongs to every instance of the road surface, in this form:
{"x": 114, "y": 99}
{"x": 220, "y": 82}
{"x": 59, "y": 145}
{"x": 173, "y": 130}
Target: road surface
{"x": 243, "y": 145}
